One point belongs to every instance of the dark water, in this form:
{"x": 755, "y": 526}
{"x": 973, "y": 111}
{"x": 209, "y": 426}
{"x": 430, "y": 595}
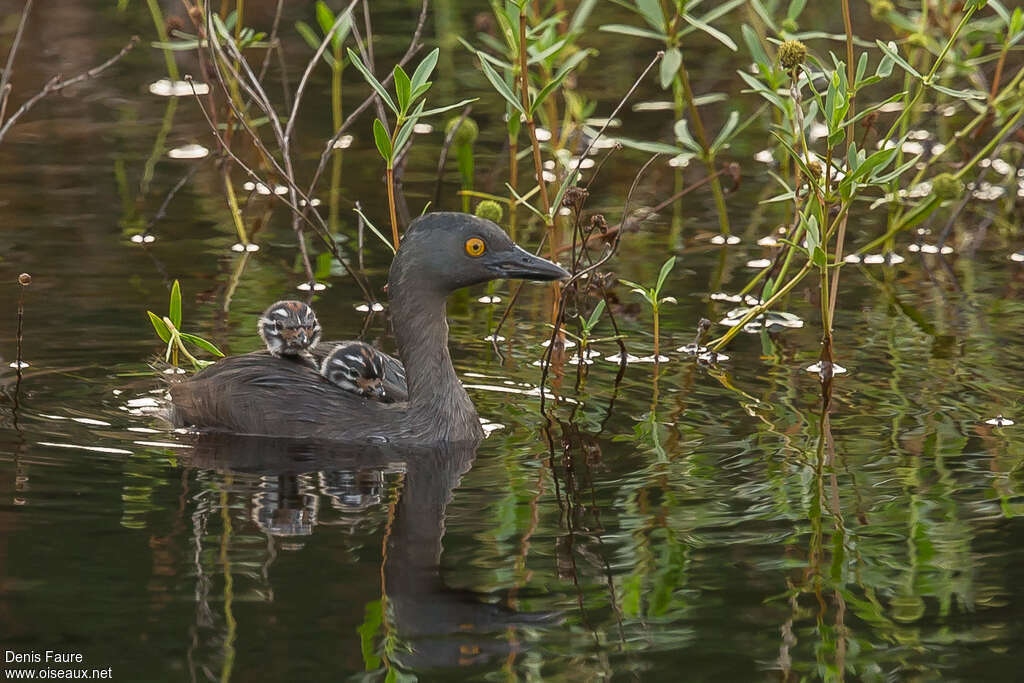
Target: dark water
{"x": 704, "y": 524}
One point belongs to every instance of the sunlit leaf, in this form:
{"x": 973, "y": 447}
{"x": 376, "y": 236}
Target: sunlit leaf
{"x": 382, "y": 140}
{"x": 373, "y": 82}
{"x": 499, "y": 84}
{"x": 175, "y": 307}
{"x": 160, "y": 327}
{"x": 201, "y": 343}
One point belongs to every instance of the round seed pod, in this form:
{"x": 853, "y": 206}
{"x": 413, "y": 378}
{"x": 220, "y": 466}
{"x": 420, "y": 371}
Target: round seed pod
{"x": 491, "y": 210}
{"x": 467, "y": 132}
{"x": 792, "y": 54}
{"x": 947, "y": 186}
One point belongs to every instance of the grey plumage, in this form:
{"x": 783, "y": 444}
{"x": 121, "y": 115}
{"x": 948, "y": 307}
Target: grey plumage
{"x": 259, "y": 394}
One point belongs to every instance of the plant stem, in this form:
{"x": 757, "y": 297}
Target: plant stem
{"x": 391, "y": 203}
{"x": 161, "y": 33}
{"x": 657, "y": 330}
{"x": 841, "y": 237}
{"x": 513, "y": 181}
{"x": 719, "y": 343}
{"x": 335, "y": 191}
{"x": 709, "y": 156}
{"x": 538, "y": 166}
{"x": 236, "y": 215}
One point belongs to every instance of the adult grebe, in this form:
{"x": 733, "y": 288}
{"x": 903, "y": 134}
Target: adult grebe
{"x": 259, "y": 394}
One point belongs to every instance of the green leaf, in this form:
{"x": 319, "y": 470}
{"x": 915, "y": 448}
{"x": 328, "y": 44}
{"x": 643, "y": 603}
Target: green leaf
{"x": 374, "y": 83}
{"x": 756, "y": 50}
{"x": 727, "y": 131}
{"x": 175, "y": 307}
{"x": 546, "y": 53}
{"x": 307, "y": 34}
{"x": 960, "y": 94}
{"x": 876, "y": 162}
{"x": 666, "y": 268}
{"x": 324, "y": 17}
{"x": 650, "y": 10}
{"x": 682, "y": 131}
{"x": 178, "y": 46}
{"x": 651, "y": 147}
{"x": 670, "y": 64}
{"x": 558, "y": 78}
{"x": 762, "y": 90}
{"x": 425, "y": 68}
{"x": 405, "y": 132}
{"x": 581, "y": 15}
{"x": 382, "y": 139}
{"x": 795, "y": 8}
{"x": 420, "y": 91}
{"x": 500, "y": 85}
{"x": 158, "y": 325}
{"x": 811, "y": 230}
{"x": 448, "y": 107}
{"x": 635, "y": 31}
{"x": 374, "y": 230}
{"x": 711, "y": 31}
{"x": 201, "y": 343}
{"x": 595, "y": 315}
{"x": 403, "y": 88}
{"x": 892, "y": 53}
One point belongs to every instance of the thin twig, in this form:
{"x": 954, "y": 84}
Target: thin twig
{"x": 290, "y": 126}
{"x": 55, "y": 84}
{"x": 678, "y": 195}
{"x": 333, "y": 248}
{"x": 162, "y": 211}
{"x": 622, "y": 102}
{"x": 5, "y": 75}
{"x": 272, "y": 40}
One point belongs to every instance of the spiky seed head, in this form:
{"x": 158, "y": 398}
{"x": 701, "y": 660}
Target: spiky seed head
{"x": 491, "y": 210}
{"x": 792, "y": 54}
{"x": 947, "y": 186}
{"x": 816, "y": 168}
{"x": 880, "y": 8}
{"x": 24, "y": 279}
{"x": 467, "y": 132}
{"x": 917, "y": 39}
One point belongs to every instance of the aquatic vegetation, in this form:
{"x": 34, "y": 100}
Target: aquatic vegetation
{"x": 408, "y": 91}
{"x": 654, "y": 299}
{"x": 168, "y": 328}
{"x": 809, "y": 523}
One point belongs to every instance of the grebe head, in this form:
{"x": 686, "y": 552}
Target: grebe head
{"x": 448, "y": 251}
{"x": 356, "y": 367}
{"x": 289, "y": 328}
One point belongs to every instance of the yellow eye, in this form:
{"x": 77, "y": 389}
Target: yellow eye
{"x": 475, "y": 246}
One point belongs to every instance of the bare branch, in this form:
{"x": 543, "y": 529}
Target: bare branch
{"x": 55, "y": 84}
{"x": 5, "y": 75}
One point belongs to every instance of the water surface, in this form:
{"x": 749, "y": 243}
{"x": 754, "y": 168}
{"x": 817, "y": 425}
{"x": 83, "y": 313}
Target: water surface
{"x": 705, "y": 522}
